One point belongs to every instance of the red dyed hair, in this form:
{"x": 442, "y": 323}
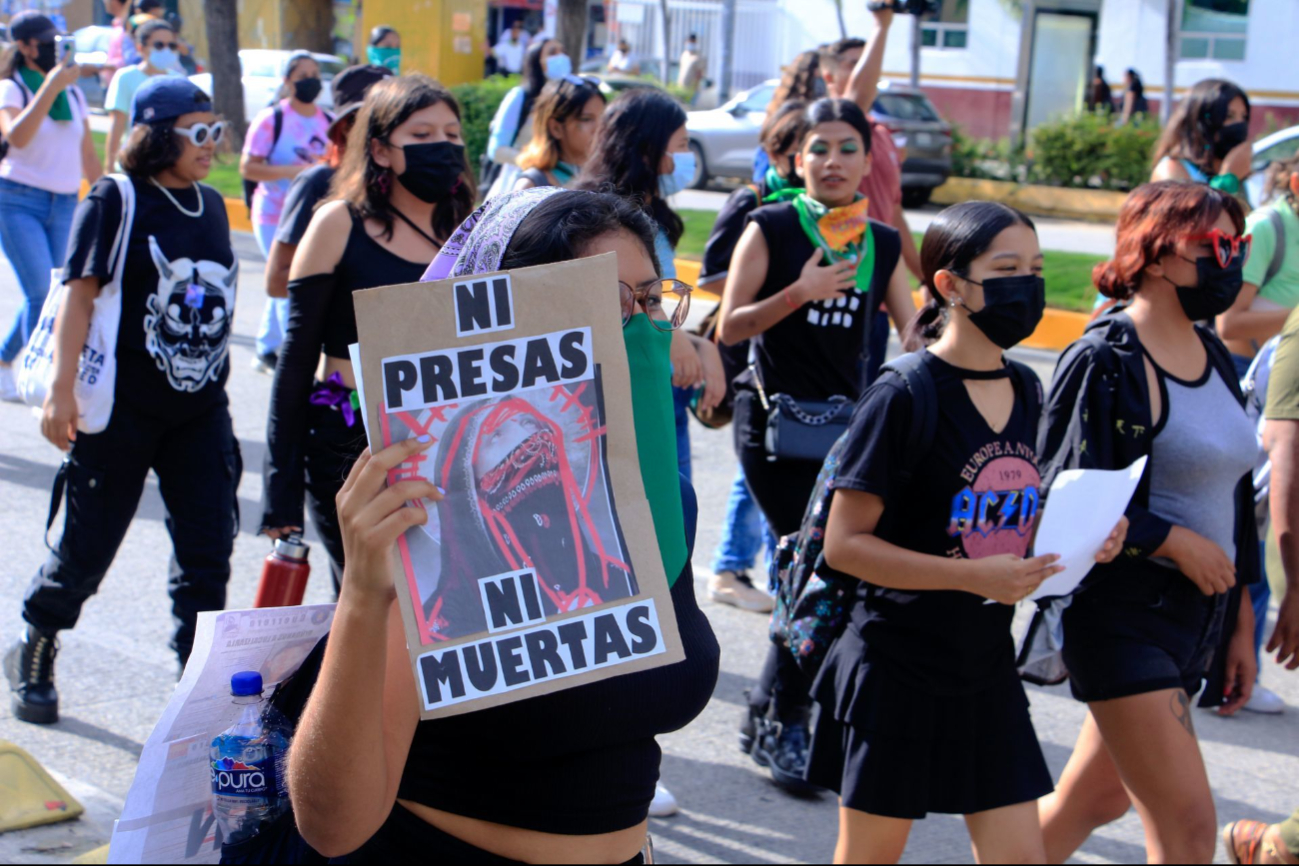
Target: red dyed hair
{"x": 1153, "y": 219}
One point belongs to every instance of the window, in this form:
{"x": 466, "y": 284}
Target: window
{"x": 948, "y": 26}
{"x": 1214, "y": 29}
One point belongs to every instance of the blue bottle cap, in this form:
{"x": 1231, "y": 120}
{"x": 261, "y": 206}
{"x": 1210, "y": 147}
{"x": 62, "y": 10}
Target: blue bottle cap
{"x": 246, "y": 683}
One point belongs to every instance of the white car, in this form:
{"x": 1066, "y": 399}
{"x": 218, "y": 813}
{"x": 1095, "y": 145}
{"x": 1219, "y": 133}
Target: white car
{"x": 263, "y": 73}
{"x": 1278, "y": 145}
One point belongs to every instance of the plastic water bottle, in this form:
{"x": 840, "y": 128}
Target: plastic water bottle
{"x": 249, "y": 762}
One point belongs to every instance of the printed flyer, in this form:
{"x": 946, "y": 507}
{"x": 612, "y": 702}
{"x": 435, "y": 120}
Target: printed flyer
{"x": 539, "y": 568}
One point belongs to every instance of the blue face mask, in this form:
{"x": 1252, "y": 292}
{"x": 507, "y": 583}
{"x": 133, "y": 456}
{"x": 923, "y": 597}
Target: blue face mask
{"x": 683, "y": 174}
{"x": 557, "y": 66}
{"x": 164, "y": 58}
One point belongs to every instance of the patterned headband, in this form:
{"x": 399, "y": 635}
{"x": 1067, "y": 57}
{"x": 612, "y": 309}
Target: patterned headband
{"x": 478, "y": 245}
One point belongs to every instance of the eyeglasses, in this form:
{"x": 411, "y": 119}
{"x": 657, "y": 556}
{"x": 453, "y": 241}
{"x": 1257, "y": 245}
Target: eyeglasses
{"x": 1225, "y": 246}
{"x": 159, "y": 46}
{"x": 666, "y": 302}
{"x": 200, "y": 134}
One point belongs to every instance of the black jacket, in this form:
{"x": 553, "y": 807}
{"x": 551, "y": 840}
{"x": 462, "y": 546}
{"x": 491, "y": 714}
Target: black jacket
{"x": 1097, "y": 416}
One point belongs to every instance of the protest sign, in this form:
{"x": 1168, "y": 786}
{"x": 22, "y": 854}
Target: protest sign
{"x": 539, "y": 570}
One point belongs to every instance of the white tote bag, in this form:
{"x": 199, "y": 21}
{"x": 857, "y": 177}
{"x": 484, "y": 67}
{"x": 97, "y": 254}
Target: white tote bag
{"x": 97, "y": 368}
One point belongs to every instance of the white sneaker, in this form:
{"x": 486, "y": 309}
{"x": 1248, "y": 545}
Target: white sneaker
{"x": 1265, "y": 702}
{"x": 9, "y": 384}
{"x": 664, "y": 805}
{"x": 735, "y": 588}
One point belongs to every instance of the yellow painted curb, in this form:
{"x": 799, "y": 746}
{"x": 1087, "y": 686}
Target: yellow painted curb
{"x": 31, "y": 796}
{"x": 1093, "y": 205}
{"x": 94, "y": 856}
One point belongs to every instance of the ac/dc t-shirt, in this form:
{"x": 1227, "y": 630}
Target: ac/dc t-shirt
{"x": 178, "y": 293}
{"x": 974, "y": 495}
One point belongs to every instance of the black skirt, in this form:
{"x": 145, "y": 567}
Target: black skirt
{"x": 890, "y": 748}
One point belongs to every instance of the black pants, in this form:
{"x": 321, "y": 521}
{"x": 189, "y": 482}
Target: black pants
{"x": 331, "y": 450}
{"x": 198, "y": 467}
{"x": 781, "y": 489}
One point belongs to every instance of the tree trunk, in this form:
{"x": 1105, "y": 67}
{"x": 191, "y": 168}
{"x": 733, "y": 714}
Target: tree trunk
{"x": 570, "y": 29}
{"x": 667, "y": 41}
{"x": 843, "y": 27}
{"x": 222, "y": 19}
{"x": 1172, "y": 46}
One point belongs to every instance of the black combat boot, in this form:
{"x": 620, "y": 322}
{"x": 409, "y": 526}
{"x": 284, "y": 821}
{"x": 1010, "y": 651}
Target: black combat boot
{"x": 29, "y": 666}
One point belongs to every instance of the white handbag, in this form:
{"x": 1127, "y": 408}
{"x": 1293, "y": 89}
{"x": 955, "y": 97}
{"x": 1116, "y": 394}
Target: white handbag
{"x": 97, "y": 368}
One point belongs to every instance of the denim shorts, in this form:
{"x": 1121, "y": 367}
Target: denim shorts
{"x": 1142, "y": 629}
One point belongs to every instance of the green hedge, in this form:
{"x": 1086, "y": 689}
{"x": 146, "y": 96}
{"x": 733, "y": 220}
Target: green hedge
{"x": 478, "y": 103}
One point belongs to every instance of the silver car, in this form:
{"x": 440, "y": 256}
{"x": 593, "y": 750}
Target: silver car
{"x": 725, "y": 139}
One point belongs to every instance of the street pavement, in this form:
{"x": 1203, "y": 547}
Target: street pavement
{"x": 115, "y": 672}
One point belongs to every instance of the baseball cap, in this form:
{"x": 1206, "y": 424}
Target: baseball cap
{"x": 30, "y": 25}
{"x": 352, "y": 84}
{"x": 166, "y": 97}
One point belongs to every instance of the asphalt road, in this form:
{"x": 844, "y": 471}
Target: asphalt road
{"x": 115, "y": 672}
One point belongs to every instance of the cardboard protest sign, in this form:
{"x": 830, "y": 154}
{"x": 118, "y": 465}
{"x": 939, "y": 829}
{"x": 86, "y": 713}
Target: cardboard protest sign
{"x": 539, "y": 570}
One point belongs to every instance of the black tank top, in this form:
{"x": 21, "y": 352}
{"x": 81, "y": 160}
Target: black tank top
{"x": 366, "y": 264}
{"x": 817, "y": 352}
{"x": 579, "y": 762}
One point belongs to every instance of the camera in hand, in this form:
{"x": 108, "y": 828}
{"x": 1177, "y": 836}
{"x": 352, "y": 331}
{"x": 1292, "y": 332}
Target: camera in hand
{"x": 905, "y": 7}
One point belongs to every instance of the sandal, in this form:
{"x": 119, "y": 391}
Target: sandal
{"x": 1244, "y": 840}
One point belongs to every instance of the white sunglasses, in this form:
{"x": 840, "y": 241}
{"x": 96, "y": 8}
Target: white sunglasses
{"x": 201, "y": 133}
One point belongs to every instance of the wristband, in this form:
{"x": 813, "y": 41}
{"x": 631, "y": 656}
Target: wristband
{"x": 789, "y": 298}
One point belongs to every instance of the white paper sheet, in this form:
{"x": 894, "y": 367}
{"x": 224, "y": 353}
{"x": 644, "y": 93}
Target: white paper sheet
{"x": 354, "y": 352}
{"x": 1081, "y": 511}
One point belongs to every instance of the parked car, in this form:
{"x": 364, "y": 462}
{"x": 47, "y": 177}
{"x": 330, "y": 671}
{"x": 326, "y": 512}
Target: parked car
{"x": 263, "y": 73}
{"x": 1279, "y": 145}
{"x": 724, "y": 139}
{"x": 92, "y": 53}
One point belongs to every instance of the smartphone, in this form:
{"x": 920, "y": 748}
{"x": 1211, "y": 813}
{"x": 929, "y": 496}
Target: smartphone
{"x": 65, "y": 49}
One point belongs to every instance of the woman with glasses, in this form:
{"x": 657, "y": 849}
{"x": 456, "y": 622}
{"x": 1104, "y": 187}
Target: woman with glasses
{"x": 402, "y": 188}
{"x": 47, "y": 150}
{"x": 283, "y": 141}
{"x": 567, "y": 777}
{"x": 512, "y": 126}
{"x": 805, "y": 281}
{"x": 563, "y": 127}
{"x": 170, "y": 412}
{"x": 160, "y": 47}
{"x": 1164, "y": 621}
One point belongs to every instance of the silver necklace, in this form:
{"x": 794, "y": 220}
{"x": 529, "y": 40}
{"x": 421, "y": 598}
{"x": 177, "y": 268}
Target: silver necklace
{"x": 180, "y": 207}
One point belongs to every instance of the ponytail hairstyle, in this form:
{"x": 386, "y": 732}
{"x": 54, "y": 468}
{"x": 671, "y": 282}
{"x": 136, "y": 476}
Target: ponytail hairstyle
{"x": 782, "y": 132}
{"x": 830, "y": 110}
{"x": 1153, "y": 219}
{"x": 956, "y": 237}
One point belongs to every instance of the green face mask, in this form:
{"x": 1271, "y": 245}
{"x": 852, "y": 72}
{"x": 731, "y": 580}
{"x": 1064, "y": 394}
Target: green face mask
{"x": 648, "y": 357}
{"x": 389, "y": 57}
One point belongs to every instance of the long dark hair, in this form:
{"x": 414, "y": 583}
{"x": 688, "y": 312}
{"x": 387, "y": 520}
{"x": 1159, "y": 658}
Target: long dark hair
{"x": 534, "y": 72}
{"x": 630, "y": 143}
{"x": 799, "y": 80}
{"x": 561, "y": 227}
{"x": 365, "y": 185}
{"x": 1137, "y": 86}
{"x": 956, "y": 237}
{"x": 1197, "y": 121}
{"x": 782, "y": 132}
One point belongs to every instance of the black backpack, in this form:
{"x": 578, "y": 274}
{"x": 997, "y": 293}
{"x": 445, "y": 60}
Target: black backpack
{"x": 813, "y": 602}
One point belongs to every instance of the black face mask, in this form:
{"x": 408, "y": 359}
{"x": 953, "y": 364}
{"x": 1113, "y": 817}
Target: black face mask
{"x": 1229, "y": 138}
{"x": 432, "y": 170}
{"x": 1215, "y": 290}
{"x": 1012, "y": 308}
{"x": 45, "y": 57}
{"x": 307, "y": 89}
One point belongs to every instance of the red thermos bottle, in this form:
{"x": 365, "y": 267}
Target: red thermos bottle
{"x": 284, "y": 575}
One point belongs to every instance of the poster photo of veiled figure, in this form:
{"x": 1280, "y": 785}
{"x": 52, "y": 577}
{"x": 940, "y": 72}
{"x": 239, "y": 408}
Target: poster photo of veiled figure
{"x": 526, "y": 486}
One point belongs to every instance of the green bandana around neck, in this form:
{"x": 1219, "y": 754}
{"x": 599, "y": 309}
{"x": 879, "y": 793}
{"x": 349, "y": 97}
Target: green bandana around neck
{"x": 779, "y": 187}
{"x": 810, "y": 211}
{"x": 61, "y": 109}
{"x": 386, "y": 57}
{"x": 564, "y": 172}
{"x": 653, "y": 413}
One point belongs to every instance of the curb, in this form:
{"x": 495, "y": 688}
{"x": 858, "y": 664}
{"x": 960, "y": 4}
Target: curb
{"x": 1058, "y": 329}
{"x": 1091, "y": 205}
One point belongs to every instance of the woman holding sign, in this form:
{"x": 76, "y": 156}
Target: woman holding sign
{"x": 403, "y": 186}
{"x": 935, "y": 502}
{"x": 804, "y": 279}
{"x": 1147, "y": 630}
{"x": 563, "y": 777}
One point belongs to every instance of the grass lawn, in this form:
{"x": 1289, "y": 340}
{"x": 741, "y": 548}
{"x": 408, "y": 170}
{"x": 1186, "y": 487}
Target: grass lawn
{"x": 225, "y": 171}
{"x": 1068, "y": 275}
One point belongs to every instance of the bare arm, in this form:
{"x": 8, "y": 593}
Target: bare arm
{"x": 322, "y": 246}
{"x": 910, "y": 255}
{"x": 1242, "y": 323}
{"x": 864, "y": 84}
{"x": 256, "y": 168}
{"x": 1282, "y": 440}
{"x": 114, "y": 141}
{"x": 1170, "y": 169}
{"x": 277, "y": 269}
{"x": 59, "y": 415}
{"x": 1129, "y": 100}
{"x": 898, "y": 301}
{"x": 90, "y": 167}
{"x": 19, "y": 127}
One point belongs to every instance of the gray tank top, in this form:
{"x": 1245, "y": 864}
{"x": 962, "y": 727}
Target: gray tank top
{"x": 1206, "y": 443}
